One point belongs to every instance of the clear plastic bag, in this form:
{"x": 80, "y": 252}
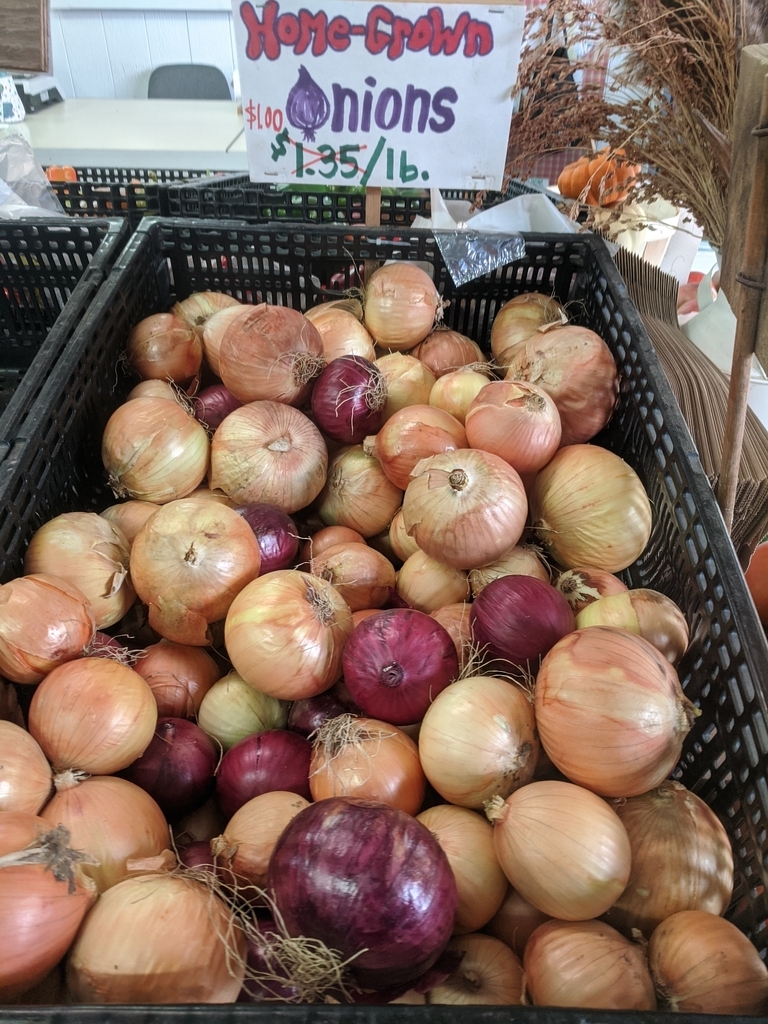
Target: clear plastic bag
{"x": 24, "y": 189}
{"x": 470, "y": 254}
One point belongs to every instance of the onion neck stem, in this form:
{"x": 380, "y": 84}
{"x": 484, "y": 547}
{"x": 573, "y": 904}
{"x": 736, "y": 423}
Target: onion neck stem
{"x": 458, "y": 479}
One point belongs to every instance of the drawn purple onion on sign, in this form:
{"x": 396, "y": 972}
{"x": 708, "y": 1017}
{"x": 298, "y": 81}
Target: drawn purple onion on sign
{"x": 307, "y": 106}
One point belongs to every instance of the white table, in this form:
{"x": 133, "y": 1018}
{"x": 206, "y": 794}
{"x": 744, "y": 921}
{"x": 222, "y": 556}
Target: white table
{"x": 157, "y": 134}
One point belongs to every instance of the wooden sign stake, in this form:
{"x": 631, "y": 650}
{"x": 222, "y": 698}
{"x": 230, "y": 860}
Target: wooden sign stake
{"x": 372, "y": 220}
{"x": 752, "y": 287}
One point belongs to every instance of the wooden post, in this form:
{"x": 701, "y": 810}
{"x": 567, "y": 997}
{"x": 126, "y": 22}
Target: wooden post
{"x": 750, "y": 290}
{"x": 372, "y": 220}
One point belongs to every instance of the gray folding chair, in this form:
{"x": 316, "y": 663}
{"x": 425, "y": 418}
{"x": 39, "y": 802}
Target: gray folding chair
{"x": 188, "y": 82}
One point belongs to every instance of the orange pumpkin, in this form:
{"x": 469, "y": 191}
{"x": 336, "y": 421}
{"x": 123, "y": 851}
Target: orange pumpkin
{"x": 61, "y": 173}
{"x": 757, "y": 580}
{"x": 601, "y": 180}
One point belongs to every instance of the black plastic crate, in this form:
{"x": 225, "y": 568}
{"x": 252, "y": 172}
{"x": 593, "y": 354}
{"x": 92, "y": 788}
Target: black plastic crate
{"x": 50, "y": 270}
{"x": 129, "y": 192}
{"x": 55, "y": 466}
{"x": 236, "y": 197}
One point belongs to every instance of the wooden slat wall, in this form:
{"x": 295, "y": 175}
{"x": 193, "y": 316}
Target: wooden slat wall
{"x": 111, "y": 53}
{"x": 24, "y": 35}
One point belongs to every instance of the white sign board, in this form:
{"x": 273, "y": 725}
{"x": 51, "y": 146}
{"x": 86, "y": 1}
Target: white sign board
{"x": 343, "y": 92}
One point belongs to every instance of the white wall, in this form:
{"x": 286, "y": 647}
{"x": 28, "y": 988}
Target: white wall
{"x": 107, "y": 48}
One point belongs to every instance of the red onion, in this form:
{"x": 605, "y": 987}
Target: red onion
{"x": 396, "y": 662}
{"x": 261, "y": 961}
{"x": 177, "y": 768}
{"x": 213, "y": 404}
{"x": 360, "y": 875}
{"x": 308, "y": 715}
{"x": 516, "y": 619}
{"x": 197, "y": 856}
{"x": 276, "y": 533}
{"x": 348, "y": 399}
{"x": 276, "y": 759}
{"x": 105, "y": 646}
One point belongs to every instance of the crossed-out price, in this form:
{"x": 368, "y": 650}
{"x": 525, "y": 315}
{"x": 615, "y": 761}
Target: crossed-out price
{"x": 344, "y": 162}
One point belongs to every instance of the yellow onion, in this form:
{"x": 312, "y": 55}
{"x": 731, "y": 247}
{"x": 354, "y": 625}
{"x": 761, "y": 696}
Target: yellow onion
{"x": 154, "y": 450}
{"x": 610, "y": 711}
{"x": 410, "y": 435}
{"x": 586, "y": 964}
{"x": 444, "y": 351}
{"x": 465, "y": 508}
{"x": 521, "y": 317}
{"x": 454, "y": 392}
{"x": 91, "y": 554}
{"x": 341, "y": 332}
{"x": 702, "y": 963}
{"x": 357, "y": 493}
{"x": 409, "y": 381}
{"x": 232, "y": 710}
{"x": 478, "y": 740}
{"x": 200, "y": 825}
{"x": 26, "y": 779}
{"x": 517, "y": 421}
{"x": 154, "y": 389}
{"x": 455, "y": 618}
{"x": 246, "y": 843}
{"x": 157, "y": 938}
{"x": 681, "y": 859}
{"x": 270, "y": 453}
{"x": 523, "y": 559}
{"x": 214, "y": 329}
{"x": 589, "y": 507}
{"x": 583, "y": 585}
{"x": 515, "y": 921}
{"x": 44, "y": 896}
{"x": 402, "y": 545}
{"x": 426, "y": 584}
{"x": 187, "y": 564}
{"x": 466, "y": 838}
{"x": 93, "y": 714}
{"x": 328, "y": 537}
{"x": 645, "y": 612}
{"x": 285, "y": 633}
{"x": 178, "y": 675}
{"x": 273, "y": 353}
{"x": 44, "y": 621}
{"x": 562, "y": 847}
{"x": 198, "y": 308}
{"x": 489, "y": 974}
{"x": 129, "y": 516}
{"x": 364, "y": 577}
{"x": 108, "y": 818}
{"x": 163, "y": 346}
{"x": 400, "y": 305}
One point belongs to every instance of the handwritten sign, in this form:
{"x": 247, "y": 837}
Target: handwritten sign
{"x": 343, "y": 92}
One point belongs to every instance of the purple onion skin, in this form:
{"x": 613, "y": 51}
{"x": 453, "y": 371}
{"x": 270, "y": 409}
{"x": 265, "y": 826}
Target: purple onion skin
{"x": 105, "y": 646}
{"x": 275, "y": 533}
{"x": 358, "y": 874}
{"x": 213, "y": 404}
{"x": 516, "y": 619}
{"x": 276, "y": 759}
{"x": 198, "y": 857}
{"x": 308, "y": 715}
{"x": 348, "y": 399}
{"x": 396, "y": 662}
{"x": 178, "y": 767}
{"x": 258, "y": 960}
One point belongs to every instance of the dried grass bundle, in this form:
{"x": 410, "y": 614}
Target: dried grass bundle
{"x": 669, "y": 95}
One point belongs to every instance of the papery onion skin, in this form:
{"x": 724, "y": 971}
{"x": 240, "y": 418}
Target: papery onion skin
{"x": 444, "y": 351}
{"x": 188, "y": 562}
{"x": 651, "y": 615}
{"x": 198, "y": 308}
{"x": 576, "y": 834}
{"x": 426, "y": 584}
{"x": 467, "y": 839}
{"x": 589, "y": 507}
{"x": 262, "y": 763}
{"x": 328, "y": 537}
{"x": 517, "y": 421}
{"x": 182, "y": 956}
{"x": 285, "y": 633}
{"x": 129, "y": 516}
{"x": 516, "y": 619}
{"x": 232, "y": 710}
{"x": 584, "y": 584}
{"x": 409, "y": 381}
{"x": 90, "y": 553}
{"x": 586, "y": 964}
{"x": 275, "y": 532}
{"x": 26, "y": 779}
{"x": 610, "y": 711}
{"x": 478, "y": 740}
{"x": 456, "y": 391}
{"x": 270, "y": 453}
{"x": 523, "y": 560}
{"x": 395, "y": 664}
{"x": 164, "y": 459}
{"x": 215, "y": 328}
{"x": 490, "y": 974}
{"x": 363, "y": 576}
{"x": 348, "y": 399}
{"x": 520, "y": 317}
{"x": 163, "y": 346}
{"x": 213, "y": 404}
{"x": 465, "y": 508}
{"x": 702, "y": 963}
{"x": 271, "y": 354}
{"x": 357, "y": 493}
{"x": 515, "y": 921}
{"x": 681, "y": 859}
{"x": 342, "y": 332}
{"x": 412, "y": 434}
{"x": 395, "y": 897}
{"x": 109, "y": 818}
{"x": 93, "y": 714}
{"x": 40, "y": 914}
{"x": 309, "y": 715}
{"x": 454, "y": 618}
{"x": 44, "y": 621}
{"x": 179, "y": 676}
{"x": 400, "y": 305}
